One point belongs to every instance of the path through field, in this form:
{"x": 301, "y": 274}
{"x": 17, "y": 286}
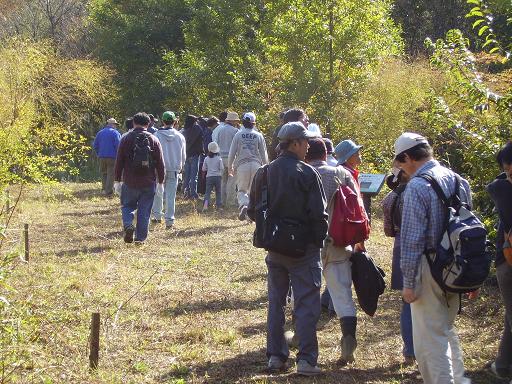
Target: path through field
{"x": 201, "y": 317}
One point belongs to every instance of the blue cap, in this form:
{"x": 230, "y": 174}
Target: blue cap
{"x": 345, "y": 150}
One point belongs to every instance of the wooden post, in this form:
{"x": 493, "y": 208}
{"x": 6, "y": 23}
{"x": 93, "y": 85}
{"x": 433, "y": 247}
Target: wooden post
{"x": 7, "y": 202}
{"x": 94, "y": 353}
{"x": 25, "y": 236}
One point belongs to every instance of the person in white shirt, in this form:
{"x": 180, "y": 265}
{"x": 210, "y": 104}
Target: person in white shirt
{"x": 214, "y": 167}
{"x": 248, "y": 152}
{"x": 224, "y": 137}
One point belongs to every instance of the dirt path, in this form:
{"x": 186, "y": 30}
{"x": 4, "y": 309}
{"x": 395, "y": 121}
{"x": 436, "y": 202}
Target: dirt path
{"x": 201, "y": 318}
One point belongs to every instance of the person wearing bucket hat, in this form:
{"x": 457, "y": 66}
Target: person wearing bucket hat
{"x": 436, "y": 343}
{"x": 105, "y": 145}
{"x": 224, "y": 136}
{"x": 214, "y": 167}
{"x": 174, "y": 152}
{"x": 295, "y": 204}
{"x": 345, "y": 150}
{"x": 335, "y": 259}
{"x": 248, "y": 152}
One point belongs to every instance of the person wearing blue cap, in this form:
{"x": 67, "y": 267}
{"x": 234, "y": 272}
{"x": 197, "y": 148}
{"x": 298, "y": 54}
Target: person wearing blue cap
{"x": 339, "y": 275}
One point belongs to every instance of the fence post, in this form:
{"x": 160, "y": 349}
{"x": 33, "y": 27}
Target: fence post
{"x": 25, "y": 236}
{"x": 94, "y": 349}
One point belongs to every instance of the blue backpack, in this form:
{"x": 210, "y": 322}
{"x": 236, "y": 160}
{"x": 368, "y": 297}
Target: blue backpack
{"x": 461, "y": 261}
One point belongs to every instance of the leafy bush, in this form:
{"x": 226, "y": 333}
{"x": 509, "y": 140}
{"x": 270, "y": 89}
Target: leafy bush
{"x": 45, "y": 100}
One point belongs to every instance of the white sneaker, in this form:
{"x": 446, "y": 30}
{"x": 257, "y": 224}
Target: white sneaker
{"x": 306, "y": 369}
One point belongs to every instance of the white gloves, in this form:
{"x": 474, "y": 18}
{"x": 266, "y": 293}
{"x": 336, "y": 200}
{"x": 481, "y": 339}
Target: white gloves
{"x": 117, "y": 187}
{"x": 159, "y": 190}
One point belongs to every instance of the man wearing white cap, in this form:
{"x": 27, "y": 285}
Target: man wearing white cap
{"x": 248, "y": 152}
{"x": 105, "y": 145}
{"x": 224, "y": 137}
{"x": 436, "y": 344}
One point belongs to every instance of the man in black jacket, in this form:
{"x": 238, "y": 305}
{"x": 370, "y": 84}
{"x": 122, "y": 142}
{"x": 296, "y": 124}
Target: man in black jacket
{"x": 295, "y": 193}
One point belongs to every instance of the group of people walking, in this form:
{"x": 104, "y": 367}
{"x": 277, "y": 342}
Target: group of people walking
{"x": 222, "y": 154}
{"x": 299, "y": 186}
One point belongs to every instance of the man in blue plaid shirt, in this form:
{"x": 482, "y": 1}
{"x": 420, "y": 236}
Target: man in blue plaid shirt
{"x": 436, "y": 344}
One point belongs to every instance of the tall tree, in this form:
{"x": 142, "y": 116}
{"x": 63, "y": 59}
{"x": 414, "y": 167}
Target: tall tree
{"x": 132, "y": 35}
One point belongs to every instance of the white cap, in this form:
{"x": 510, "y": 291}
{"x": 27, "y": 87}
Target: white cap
{"x": 213, "y": 147}
{"x": 112, "y": 121}
{"x": 250, "y": 117}
{"x": 408, "y": 140}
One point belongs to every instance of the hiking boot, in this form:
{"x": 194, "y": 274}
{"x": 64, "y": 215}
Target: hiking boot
{"x": 156, "y": 221}
{"x": 138, "y": 243}
{"x": 242, "y": 215}
{"x": 128, "y": 234}
{"x": 169, "y": 226}
{"x": 348, "y": 340}
{"x": 500, "y": 373}
{"x": 276, "y": 364}
{"x": 306, "y": 369}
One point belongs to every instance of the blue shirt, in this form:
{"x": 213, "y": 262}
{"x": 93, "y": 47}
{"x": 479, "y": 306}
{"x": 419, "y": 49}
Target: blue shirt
{"x": 423, "y": 216}
{"x": 106, "y": 142}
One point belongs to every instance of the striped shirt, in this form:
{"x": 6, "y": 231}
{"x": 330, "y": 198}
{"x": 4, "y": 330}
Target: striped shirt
{"x": 423, "y": 215}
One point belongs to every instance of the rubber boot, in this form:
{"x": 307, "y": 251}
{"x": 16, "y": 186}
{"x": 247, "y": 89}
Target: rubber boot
{"x": 348, "y": 339}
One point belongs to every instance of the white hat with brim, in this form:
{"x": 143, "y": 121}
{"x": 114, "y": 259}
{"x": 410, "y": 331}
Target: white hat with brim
{"x": 213, "y": 147}
{"x": 112, "y": 121}
{"x": 232, "y": 116}
{"x": 408, "y": 140}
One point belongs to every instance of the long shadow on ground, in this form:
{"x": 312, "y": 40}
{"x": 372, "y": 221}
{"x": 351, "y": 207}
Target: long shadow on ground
{"x": 217, "y": 305}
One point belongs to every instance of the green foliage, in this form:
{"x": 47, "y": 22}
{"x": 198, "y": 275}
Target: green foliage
{"x": 390, "y": 103}
{"x": 268, "y": 56}
{"x": 44, "y": 99}
{"x": 132, "y": 36}
{"x": 494, "y": 31}
{"x": 471, "y": 121}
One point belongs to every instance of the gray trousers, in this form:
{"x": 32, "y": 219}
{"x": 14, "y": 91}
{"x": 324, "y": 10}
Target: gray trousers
{"x": 504, "y": 275}
{"x": 107, "y": 174}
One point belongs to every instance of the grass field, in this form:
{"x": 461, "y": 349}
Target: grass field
{"x": 187, "y": 307}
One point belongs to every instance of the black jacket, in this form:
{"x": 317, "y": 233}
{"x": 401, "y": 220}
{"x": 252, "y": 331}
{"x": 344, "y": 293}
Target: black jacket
{"x": 294, "y": 192}
{"x": 500, "y": 191}
{"x": 194, "y": 140}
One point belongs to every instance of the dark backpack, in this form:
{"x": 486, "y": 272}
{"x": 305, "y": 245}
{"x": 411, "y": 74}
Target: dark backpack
{"x": 141, "y": 154}
{"x": 461, "y": 261}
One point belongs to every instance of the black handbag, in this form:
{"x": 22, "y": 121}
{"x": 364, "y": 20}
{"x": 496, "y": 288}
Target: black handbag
{"x": 286, "y": 236}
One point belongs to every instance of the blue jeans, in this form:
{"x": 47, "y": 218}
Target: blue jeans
{"x": 214, "y": 182}
{"x": 406, "y": 329}
{"x": 168, "y": 199}
{"x": 305, "y": 278}
{"x": 140, "y": 200}
{"x": 190, "y": 172}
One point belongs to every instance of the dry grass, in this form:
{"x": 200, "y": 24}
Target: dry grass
{"x": 200, "y": 318}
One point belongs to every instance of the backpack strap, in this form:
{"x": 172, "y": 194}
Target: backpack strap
{"x": 437, "y": 188}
